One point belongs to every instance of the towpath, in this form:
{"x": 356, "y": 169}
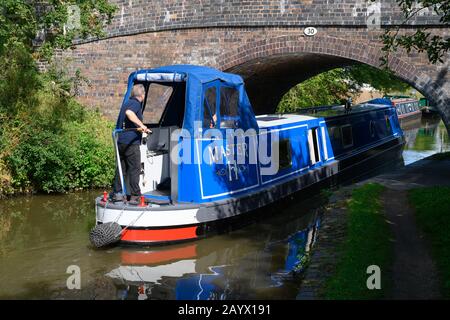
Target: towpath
{"x": 413, "y": 273}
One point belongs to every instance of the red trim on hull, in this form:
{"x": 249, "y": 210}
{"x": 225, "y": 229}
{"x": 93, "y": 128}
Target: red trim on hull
{"x": 152, "y": 257}
{"x": 159, "y": 235}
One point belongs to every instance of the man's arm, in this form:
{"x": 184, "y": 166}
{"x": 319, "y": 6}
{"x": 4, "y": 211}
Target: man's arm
{"x": 133, "y": 118}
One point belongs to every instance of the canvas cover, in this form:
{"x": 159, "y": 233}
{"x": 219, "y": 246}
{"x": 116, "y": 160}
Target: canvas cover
{"x": 196, "y": 77}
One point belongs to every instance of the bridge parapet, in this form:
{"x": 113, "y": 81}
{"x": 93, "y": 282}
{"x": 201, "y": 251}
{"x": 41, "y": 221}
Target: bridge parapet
{"x": 135, "y": 16}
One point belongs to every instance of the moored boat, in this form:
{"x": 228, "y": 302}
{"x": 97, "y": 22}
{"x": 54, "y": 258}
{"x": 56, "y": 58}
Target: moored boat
{"x": 407, "y": 107}
{"x": 210, "y": 159}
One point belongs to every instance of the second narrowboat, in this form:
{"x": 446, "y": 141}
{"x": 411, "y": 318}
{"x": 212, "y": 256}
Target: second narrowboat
{"x": 406, "y": 107}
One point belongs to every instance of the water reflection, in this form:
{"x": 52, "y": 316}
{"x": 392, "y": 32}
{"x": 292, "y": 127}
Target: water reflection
{"x": 223, "y": 267}
{"x": 424, "y": 137}
{"x": 43, "y": 235}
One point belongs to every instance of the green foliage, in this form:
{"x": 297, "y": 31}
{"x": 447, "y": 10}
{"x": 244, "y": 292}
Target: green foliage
{"x": 44, "y": 26}
{"x": 433, "y": 217}
{"x": 381, "y": 80}
{"x": 48, "y": 142}
{"x": 435, "y": 45}
{"x": 19, "y": 80}
{"x": 78, "y": 156}
{"x": 60, "y": 146}
{"x": 18, "y": 24}
{"x": 367, "y": 243}
{"x": 324, "y": 89}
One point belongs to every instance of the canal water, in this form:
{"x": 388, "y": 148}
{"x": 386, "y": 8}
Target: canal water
{"x": 44, "y": 237}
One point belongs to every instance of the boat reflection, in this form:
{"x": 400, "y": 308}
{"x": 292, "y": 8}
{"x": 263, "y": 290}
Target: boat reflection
{"x": 202, "y": 271}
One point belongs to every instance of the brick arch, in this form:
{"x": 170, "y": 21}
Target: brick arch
{"x": 361, "y": 51}
{"x": 349, "y": 51}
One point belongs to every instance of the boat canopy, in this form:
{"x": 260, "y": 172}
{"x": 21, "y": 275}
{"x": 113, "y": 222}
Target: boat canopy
{"x": 198, "y": 79}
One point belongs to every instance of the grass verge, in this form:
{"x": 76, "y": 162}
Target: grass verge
{"x": 432, "y": 207}
{"x": 367, "y": 243}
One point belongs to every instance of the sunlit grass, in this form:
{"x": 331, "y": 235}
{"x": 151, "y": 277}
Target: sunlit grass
{"x": 367, "y": 243}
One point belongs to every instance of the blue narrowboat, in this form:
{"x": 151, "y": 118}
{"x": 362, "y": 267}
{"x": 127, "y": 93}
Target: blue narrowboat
{"x": 210, "y": 159}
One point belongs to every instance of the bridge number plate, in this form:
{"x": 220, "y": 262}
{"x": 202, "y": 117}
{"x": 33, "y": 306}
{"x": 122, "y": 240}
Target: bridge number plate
{"x": 310, "y": 31}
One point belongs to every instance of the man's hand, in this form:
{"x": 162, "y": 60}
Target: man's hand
{"x": 144, "y": 128}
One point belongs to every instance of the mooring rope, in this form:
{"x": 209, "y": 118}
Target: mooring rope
{"x": 135, "y": 220}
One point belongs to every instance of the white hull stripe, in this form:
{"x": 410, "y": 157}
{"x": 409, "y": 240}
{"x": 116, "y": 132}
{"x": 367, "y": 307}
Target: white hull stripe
{"x": 149, "y": 218}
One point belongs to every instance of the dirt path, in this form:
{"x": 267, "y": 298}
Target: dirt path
{"x": 414, "y": 274}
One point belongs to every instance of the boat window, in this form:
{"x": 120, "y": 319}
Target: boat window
{"x": 158, "y": 96}
{"x": 404, "y": 110}
{"x": 334, "y": 133}
{"x": 372, "y": 128}
{"x": 173, "y": 114}
{"x": 313, "y": 142}
{"x": 347, "y": 136}
{"x": 399, "y": 112}
{"x": 388, "y": 125}
{"x": 229, "y": 103}
{"x": 285, "y": 154}
{"x": 209, "y": 108}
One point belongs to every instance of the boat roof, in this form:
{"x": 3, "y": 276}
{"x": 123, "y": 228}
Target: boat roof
{"x": 392, "y": 100}
{"x": 271, "y": 120}
{"x": 334, "y": 111}
{"x": 201, "y": 73}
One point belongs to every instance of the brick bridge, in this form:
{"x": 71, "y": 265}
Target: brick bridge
{"x": 263, "y": 40}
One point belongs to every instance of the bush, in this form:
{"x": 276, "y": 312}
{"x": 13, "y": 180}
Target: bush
{"x": 48, "y": 142}
{"x": 51, "y": 143}
{"x": 79, "y": 155}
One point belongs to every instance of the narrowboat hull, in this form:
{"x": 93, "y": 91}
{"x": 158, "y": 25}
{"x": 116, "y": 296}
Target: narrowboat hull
{"x": 165, "y": 224}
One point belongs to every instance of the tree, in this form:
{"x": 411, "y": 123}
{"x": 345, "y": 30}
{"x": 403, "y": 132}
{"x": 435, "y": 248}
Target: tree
{"x": 33, "y": 30}
{"x": 324, "y": 89}
{"x": 48, "y": 141}
{"x": 436, "y": 46}
{"x": 381, "y": 80}
{"x": 43, "y": 26}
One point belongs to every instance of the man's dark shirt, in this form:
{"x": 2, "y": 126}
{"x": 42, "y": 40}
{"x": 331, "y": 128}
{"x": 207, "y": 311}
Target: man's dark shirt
{"x": 129, "y": 137}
